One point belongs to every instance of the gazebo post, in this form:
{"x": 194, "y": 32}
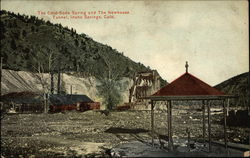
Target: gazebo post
{"x": 152, "y": 121}
{"x": 225, "y": 121}
{"x": 228, "y": 100}
{"x": 170, "y": 140}
{"x": 168, "y": 110}
{"x": 203, "y": 120}
{"x": 209, "y": 125}
{"x": 171, "y": 130}
{"x": 167, "y": 105}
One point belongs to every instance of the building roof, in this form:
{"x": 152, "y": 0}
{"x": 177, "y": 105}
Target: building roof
{"x": 36, "y": 98}
{"x": 188, "y": 85}
{"x": 20, "y": 94}
{"x": 24, "y": 97}
{"x": 61, "y": 99}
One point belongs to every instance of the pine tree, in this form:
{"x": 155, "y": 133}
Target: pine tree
{"x": 2, "y": 30}
{"x": 13, "y": 44}
{"x": 76, "y": 42}
{"x": 32, "y": 28}
{"x": 24, "y": 33}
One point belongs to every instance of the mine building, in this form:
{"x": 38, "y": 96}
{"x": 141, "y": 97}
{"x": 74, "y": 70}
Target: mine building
{"x": 30, "y": 102}
{"x": 71, "y": 102}
{"x": 23, "y": 102}
{"x": 145, "y": 83}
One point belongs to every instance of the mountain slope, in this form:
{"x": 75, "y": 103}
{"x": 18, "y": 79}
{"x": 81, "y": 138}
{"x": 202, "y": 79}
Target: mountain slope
{"x": 239, "y": 86}
{"x": 32, "y": 44}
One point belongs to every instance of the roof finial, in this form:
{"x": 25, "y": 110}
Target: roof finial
{"x": 186, "y": 67}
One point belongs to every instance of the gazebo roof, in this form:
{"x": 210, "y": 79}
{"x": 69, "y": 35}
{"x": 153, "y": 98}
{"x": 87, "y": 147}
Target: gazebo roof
{"x": 187, "y": 85}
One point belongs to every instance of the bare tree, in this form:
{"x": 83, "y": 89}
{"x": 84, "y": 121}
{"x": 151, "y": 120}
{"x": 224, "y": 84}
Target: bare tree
{"x": 109, "y": 86}
{"x": 40, "y": 70}
{"x": 43, "y": 81}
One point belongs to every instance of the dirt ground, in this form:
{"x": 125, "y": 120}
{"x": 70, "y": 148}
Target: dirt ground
{"x": 91, "y": 133}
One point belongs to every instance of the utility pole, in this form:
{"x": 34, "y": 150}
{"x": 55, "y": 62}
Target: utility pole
{"x": 59, "y": 76}
{"x": 71, "y": 89}
{"x": 59, "y": 82}
{"x": 1, "y": 76}
{"x": 1, "y": 67}
{"x": 52, "y": 82}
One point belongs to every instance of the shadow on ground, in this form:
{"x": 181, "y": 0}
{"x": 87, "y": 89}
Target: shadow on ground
{"x": 117, "y": 130}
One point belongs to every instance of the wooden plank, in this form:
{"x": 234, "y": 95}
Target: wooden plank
{"x": 241, "y": 147}
{"x": 195, "y": 97}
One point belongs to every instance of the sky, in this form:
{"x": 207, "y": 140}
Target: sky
{"x": 211, "y": 35}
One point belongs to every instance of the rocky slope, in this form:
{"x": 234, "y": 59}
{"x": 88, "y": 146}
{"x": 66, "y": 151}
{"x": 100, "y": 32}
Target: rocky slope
{"x": 17, "y": 81}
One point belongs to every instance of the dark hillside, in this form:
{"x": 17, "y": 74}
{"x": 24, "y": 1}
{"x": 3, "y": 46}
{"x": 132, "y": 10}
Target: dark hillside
{"x": 32, "y": 44}
{"x": 239, "y": 86}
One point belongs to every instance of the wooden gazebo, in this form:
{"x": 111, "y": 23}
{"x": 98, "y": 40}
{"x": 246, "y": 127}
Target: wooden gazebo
{"x": 188, "y": 87}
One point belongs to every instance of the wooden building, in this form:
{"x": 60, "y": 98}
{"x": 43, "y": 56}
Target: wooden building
{"x": 60, "y": 102}
{"x": 30, "y": 102}
{"x": 145, "y": 84}
{"x": 22, "y": 102}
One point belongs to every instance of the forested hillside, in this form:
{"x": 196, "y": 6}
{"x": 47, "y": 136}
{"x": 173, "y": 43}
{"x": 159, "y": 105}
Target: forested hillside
{"x": 32, "y": 44}
{"x": 238, "y": 86}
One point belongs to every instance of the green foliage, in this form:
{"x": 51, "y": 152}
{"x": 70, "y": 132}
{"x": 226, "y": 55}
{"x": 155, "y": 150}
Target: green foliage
{"x": 2, "y": 30}
{"x": 163, "y": 82}
{"x": 14, "y": 23}
{"x": 76, "y": 43}
{"x": 32, "y": 28}
{"x": 49, "y": 23}
{"x": 24, "y": 33}
{"x": 13, "y": 44}
{"x": 109, "y": 92}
